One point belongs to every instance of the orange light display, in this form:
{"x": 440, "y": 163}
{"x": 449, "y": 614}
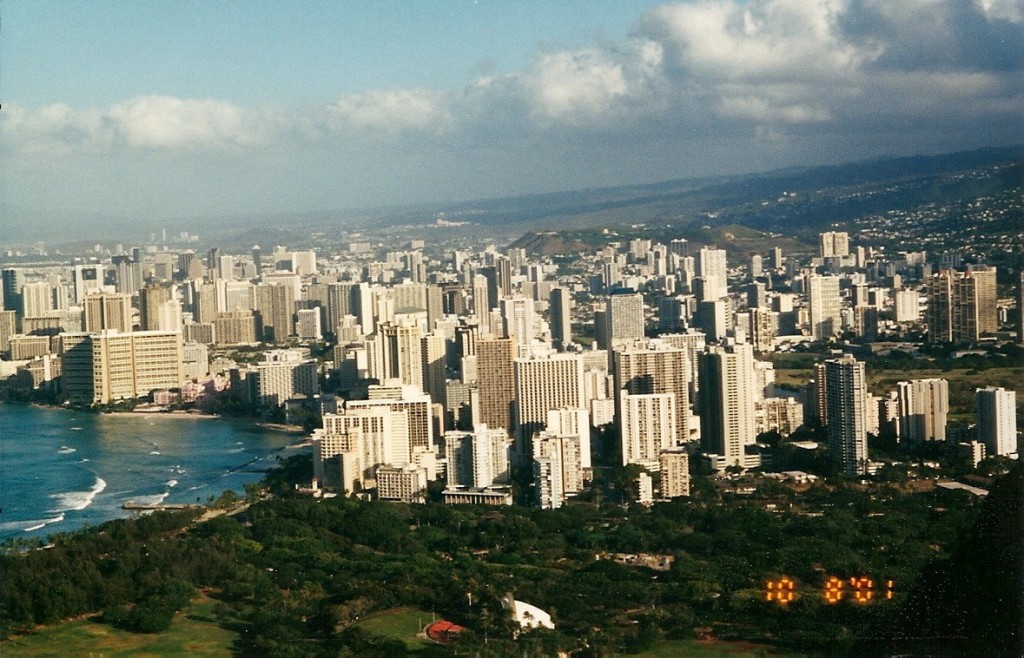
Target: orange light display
{"x": 780, "y": 591}
{"x": 834, "y": 590}
{"x": 863, "y": 589}
{"x": 856, "y": 589}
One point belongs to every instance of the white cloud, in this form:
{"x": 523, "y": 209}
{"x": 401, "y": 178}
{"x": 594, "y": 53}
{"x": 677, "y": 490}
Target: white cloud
{"x": 389, "y": 110}
{"x": 168, "y": 122}
{"x": 791, "y": 74}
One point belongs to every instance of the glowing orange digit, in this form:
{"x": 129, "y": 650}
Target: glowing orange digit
{"x": 781, "y": 591}
{"x": 863, "y": 589}
{"x": 888, "y": 590}
{"x": 834, "y": 590}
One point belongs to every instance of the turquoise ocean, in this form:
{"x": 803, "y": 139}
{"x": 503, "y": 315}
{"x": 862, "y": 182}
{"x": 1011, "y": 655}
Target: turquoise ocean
{"x": 62, "y": 470}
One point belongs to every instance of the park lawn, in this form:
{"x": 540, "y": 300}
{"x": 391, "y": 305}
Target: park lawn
{"x": 187, "y": 636}
{"x": 401, "y": 624}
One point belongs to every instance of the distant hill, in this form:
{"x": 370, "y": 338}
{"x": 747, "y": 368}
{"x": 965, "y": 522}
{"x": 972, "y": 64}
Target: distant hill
{"x": 785, "y": 201}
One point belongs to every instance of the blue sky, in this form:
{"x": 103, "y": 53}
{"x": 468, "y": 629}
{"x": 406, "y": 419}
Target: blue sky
{"x": 100, "y": 52}
{"x": 183, "y": 109}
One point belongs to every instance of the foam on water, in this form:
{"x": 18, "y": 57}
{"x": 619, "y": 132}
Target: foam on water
{"x": 155, "y": 499}
{"x": 78, "y": 500}
{"x": 171, "y": 483}
{"x": 64, "y": 450}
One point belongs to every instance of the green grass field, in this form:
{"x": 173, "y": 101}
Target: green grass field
{"x": 187, "y": 636}
{"x": 403, "y": 624}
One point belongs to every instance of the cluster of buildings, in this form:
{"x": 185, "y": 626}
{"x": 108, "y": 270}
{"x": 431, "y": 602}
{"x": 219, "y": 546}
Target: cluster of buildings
{"x": 474, "y": 365}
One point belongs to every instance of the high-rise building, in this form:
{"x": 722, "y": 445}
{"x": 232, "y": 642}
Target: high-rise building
{"x": 657, "y": 367}
{"x": 307, "y": 324}
{"x": 479, "y": 458}
{"x": 648, "y": 425}
{"x": 845, "y": 397}
{"x": 557, "y": 470}
{"x": 276, "y": 306}
{"x": 411, "y": 401}
{"x": 906, "y": 306}
{"x": 923, "y": 406}
{"x": 286, "y": 374}
{"x": 103, "y": 367}
{"x": 961, "y": 305}
{"x": 824, "y": 306}
{"x": 498, "y": 393}
{"x": 727, "y": 417}
{"x": 36, "y": 299}
{"x": 87, "y": 279}
{"x": 517, "y": 315}
{"x": 674, "y": 466}
{"x": 543, "y": 383}
{"x": 834, "y": 243}
{"x": 624, "y": 319}
{"x": 997, "y": 420}
{"x": 559, "y": 303}
{"x": 150, "y": 299}
{"x": 433, "y": 351}
{"x": 1020, "y": 307}
{"x": 8, "y": 328}
{"x": 713, "y": 270}
{"x": 108, "y": 311}
{"x": 398, "y": 353}
{"x": 13, "y": 280}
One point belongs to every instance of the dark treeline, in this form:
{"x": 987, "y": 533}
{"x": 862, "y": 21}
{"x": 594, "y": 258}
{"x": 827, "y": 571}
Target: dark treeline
{"x": 293, "y": 574}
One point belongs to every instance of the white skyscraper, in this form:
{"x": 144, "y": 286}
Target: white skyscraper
{"x": 648, "y": 426}
{"x": 823, "y": 306}
{"x": 518, "y": 319}
{"x": 923, "y": 406}
{"x": 543, "y": 383}
{"x": 997, "y": 420}
{"x": 727, "y": 395}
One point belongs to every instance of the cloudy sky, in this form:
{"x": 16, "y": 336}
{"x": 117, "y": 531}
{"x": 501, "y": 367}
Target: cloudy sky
{"x": 177, "y": 109}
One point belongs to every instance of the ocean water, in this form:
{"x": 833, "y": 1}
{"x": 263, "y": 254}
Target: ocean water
{"x": 61, "y": 470}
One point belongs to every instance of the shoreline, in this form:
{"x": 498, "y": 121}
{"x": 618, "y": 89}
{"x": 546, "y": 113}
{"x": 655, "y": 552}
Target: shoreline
{"x": 177, "y": 413}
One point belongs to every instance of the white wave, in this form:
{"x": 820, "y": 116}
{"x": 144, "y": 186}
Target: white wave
{"x": 171, "y": 483}
{"x": 155, "y": 499}
{"x": 83, "y": 460}
{"x": 64, "y": 450}
{"x": 43, "y": 523}
{"x": 78, "y": 500}
{"x": 234, "y": 451}
{"x": 154, "y": 452}
{"x": 77, "y": 429}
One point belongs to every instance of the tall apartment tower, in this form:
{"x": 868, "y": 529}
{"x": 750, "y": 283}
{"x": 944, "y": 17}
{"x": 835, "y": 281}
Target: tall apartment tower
{"x": 647, "y": 426}
{"x": 712, "y": 268}
{"x": 543, "y": 383}
{"x": 498, "y": 392}
{"x": 517, "y": 315}
{"x": 36, "y": 299}
{"x": 824, "y": 306}
{"x": 559, "y": 303}
{"x": 87, "y": 279}
{"x": 399, "y": 353}
{"x": 923, "y": 407}
{"x": 657, "y": 367}
{"x": 13, "y": 280}
{"x": 997, "y": 420}
{"x": 727, "y": 414}
{"x": 1020, "y": 308}
{"x": 103, "y": 367}
{"x": 150, "y": 299}
{"x": 834, "y": 243}
{"x": 845, "y": 397}
{"x": 961, "y": 305}
{"x": 276, "y": 304}
{"x": 624, "y": 319}
{"x": 108, "y": 311}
